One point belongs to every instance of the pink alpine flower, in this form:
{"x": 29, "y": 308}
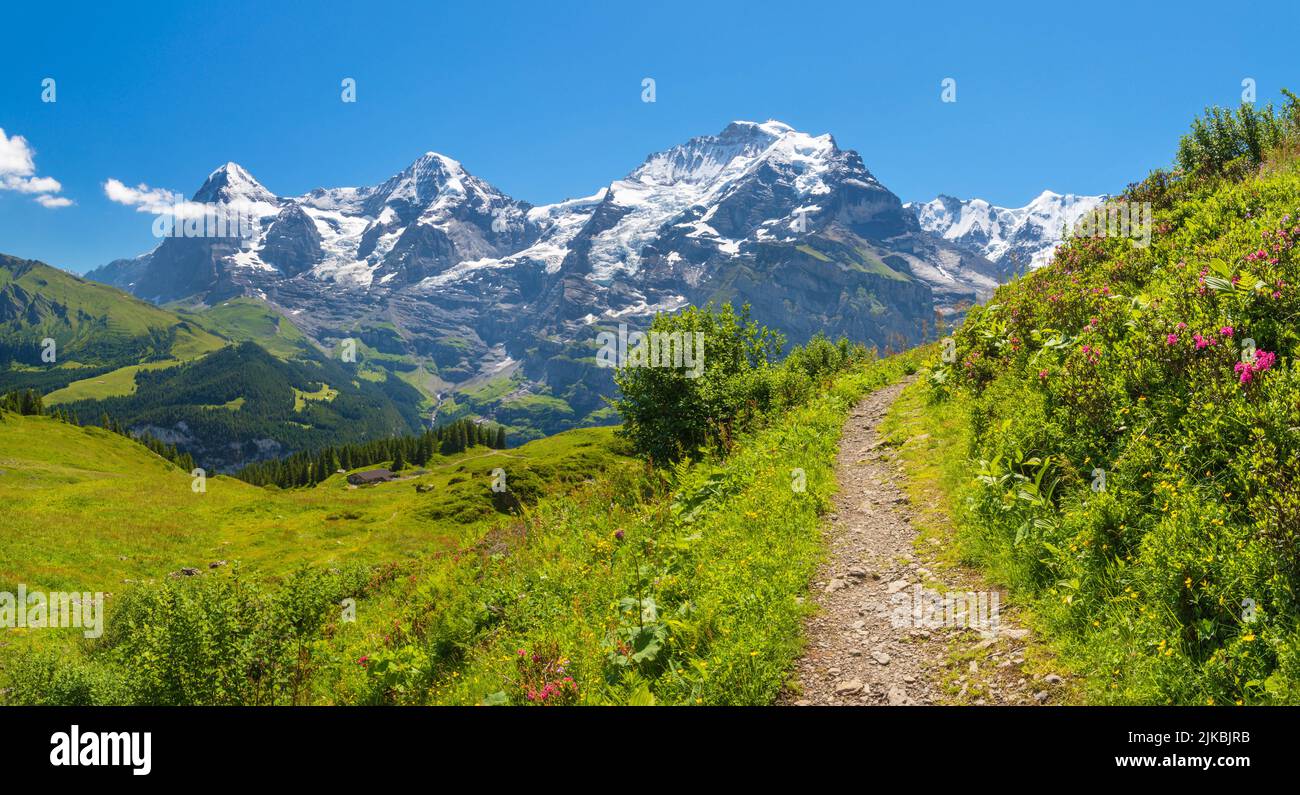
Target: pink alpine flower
{"x": 1246, "y": 371}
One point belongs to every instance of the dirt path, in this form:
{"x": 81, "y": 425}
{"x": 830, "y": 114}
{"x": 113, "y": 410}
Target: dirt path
{"x": 860, "y": 650}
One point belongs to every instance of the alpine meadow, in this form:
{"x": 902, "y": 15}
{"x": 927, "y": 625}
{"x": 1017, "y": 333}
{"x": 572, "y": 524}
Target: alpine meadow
{"x": 518, "y": 357}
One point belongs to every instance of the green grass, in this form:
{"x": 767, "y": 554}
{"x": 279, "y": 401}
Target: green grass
{"x": 247, "y": 319}
{"x": 126, "y": 315}
{"x": 94, "y": 325}
{"x": 874, "y": 264}
{"x": 1133, "y": 461}
{"x": 933, "y": 440}
{"x": 118, "y": 382}
{"x": 714, "y": 559}
{"x": 230, "y": 405}
{"x": 86, "y": 508}
{"x": 812, "y": 252}
{"x": 325, "y": 393}
{"x": 494, "y": 389}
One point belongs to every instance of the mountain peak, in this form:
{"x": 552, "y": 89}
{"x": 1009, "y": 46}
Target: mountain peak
{"x": 771, "y": 127}
{"x": 435, "y": 160}
{"x": 427, "y": 177}
{"x": 1017, "y": 237}
{"x": 230, "y": 183}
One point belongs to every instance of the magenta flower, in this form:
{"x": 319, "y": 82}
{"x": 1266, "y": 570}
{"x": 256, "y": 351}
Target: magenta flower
{"x": 1246, "y": 371}
{"x": 1172, "y": 339}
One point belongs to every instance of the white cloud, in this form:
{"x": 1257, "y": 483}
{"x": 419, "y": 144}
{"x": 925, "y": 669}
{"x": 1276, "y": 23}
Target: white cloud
{"x": 158, "y": 201}
{"x": 18, "y": 172}
{"x": 16, "y": 157}
{"x": 32, "y": 184}
{"x": 142, "y": 197}
{"x": 53, "y": 201}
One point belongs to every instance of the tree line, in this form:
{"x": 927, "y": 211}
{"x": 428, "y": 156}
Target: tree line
{"x": 28, "y": 402}
{"x": 309, "y": 468}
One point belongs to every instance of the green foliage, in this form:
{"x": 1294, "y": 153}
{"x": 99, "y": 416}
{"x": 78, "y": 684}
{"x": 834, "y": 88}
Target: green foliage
{"x": 1225, "y": 143}
{"x": 1132, "y": 411}
{"x": 606, "y": 585}
{"x": 202, "y": 641}
{"x": 23, "y": 401}
{"x": 678, "y": 585}
{"x": 673, "y": 412}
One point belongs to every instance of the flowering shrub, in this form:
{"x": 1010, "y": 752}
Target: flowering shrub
{"x": 1133, "y": 415}
{"x": 543, "y": 678}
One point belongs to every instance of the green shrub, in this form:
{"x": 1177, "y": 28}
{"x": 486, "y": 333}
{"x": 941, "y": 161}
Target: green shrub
{"x": 669, "y": 413}
{"x": 1135, "y": 461}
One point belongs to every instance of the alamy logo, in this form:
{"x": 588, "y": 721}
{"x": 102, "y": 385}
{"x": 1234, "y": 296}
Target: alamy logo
{"x": 37, "y": 610}
{"x": 94, "y": 749}
{"x": 682, "y": 350}
{"x": 196, "y": 220}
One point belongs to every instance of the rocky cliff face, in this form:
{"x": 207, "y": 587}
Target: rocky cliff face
{"x": 1013, "y": 239}
{"x": 434, "y": 262}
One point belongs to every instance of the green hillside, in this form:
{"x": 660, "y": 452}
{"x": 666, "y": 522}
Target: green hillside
{"x": 1125, "y": 422}
{"x": 228, "y": 384}
{"x": 96, "y": 328}
{"x": 250, "y": 320}
{"x": 61, "y": 483}
{"x": 672, "y": 584}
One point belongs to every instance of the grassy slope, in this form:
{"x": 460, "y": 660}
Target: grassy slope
{"x": 125, "y": 315}
{"x": 88, "y": 318}
{"x": 247, "y": 319}
{"x": 111, "y": 313}
{"x": 237, "y": 320}
{"x": 724, "y": 556}
{"x": 719, "y": 563}
{"x": 118, "y": 382}
{"x": 86, "y": 508}
{"x": 1174, "y": 580}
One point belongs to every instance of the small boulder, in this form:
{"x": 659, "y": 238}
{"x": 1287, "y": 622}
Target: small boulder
{"x": 848, "y": 687}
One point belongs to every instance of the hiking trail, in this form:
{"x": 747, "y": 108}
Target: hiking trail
{"x": 858, "y": 650}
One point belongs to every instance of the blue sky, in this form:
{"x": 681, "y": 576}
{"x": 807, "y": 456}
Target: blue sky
{"x": 544, "y": 99}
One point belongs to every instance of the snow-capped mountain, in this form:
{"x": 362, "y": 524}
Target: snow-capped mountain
{"x": 758, "y": 212}
{"x": 438, "y": 264}
{"x": 688, "y": 193}
{"x": 1016, "y": 239}
{"x": 417, "y": 223}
